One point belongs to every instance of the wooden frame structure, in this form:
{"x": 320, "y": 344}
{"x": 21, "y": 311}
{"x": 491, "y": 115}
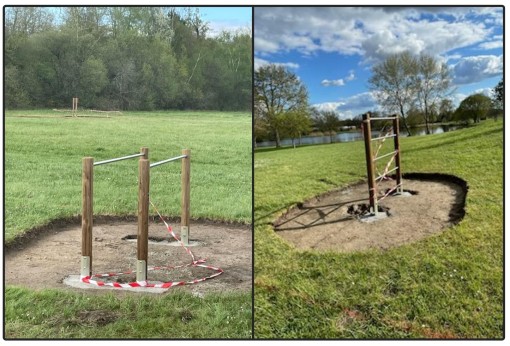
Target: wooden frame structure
{"x": 371, "y": 159}
{"x": 144, "y": 167}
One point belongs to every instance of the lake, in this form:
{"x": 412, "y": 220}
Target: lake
{"x": 356, "y": 136}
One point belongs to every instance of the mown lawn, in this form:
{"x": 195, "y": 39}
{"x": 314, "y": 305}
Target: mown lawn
{"x": 43, "y": 154}
{"x": 447, "y": 286}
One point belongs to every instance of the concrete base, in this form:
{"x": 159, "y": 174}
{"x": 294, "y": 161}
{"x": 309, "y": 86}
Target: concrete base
{"x": 372, "y": 218}
{"x": 74, "y": 281}
{"x": 402, "y": 194}
{"x": 191, "y": 243}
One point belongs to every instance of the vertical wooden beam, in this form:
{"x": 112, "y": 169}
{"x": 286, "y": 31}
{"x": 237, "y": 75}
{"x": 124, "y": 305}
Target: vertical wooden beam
{"x": 185, "y": 196}
{"x": 367, "y": 136}
{"x": 396, "y": 142}
{"x": 145, "y": 152}
{"x": 142, "y": 240}
{"x": 86, "y": 216}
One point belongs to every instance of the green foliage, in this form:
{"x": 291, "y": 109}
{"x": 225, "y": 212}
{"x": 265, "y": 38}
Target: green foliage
{"x": 326, "y": 121}
{"x": 475, "y": 107}
{"x": 499, "y": 95}
{"x": 278, "y": 91}
{"x": 449, "y": 285}
{"x": 127, "y": 58}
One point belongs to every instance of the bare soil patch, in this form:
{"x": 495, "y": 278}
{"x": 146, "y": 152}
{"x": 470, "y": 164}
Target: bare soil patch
{"x": 332, "y": 221}
{"x": 44, "y": 257}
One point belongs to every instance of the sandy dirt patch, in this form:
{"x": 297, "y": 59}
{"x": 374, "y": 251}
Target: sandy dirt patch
{"x": 327, "y": 222}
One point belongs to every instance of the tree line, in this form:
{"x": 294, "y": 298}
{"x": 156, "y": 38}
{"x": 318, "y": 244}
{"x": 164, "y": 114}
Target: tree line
{"x": 417, "y": 88}
{"x": 124, "y": 58}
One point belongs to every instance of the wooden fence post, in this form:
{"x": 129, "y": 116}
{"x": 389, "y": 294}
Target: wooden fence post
{"x": 367, "y": 136}
{"x": 185, "y": 196}
{"x": 142, "y": 240}
{"x": 86, "y": 216}
{"x": 396, "y": 142}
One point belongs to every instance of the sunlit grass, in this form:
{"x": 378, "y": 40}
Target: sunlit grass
{"x": 447, "y": 286}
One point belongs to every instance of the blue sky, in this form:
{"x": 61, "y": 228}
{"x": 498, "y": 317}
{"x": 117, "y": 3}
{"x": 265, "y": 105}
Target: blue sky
{"x": 332, "y": 49}
{"x": 226, "y": 18}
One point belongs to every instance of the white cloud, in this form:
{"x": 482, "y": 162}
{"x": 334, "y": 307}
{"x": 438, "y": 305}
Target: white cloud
{"x": 491, "y": 45}
{"x": 373, "y": 32}
{"x": 337, "y": 82}
{"x": 474, "y": 69}
{"x": 351, "y": 106}
{"x": 261, "y": 62}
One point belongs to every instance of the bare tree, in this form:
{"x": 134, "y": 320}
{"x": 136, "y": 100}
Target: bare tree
{"x": 432, "y": 84}
{"x": 393, "y": 83}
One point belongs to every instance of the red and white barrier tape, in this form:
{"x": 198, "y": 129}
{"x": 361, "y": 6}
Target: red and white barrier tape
{"x": 194, "y": 263}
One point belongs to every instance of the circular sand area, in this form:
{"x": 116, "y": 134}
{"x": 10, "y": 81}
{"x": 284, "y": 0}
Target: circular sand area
{"x": 45, "y": 256}
{"x": 332, "y": 221}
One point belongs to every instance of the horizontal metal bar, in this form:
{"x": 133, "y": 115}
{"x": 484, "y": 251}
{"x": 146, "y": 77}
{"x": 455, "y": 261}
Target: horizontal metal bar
{"x": 383, "y": 175}
{"x": 383, "y": 137}
{"x": 384, "y": 118}
{"x": 385, "y": 155}
{"x": 117, "y": 159}
{"x": 167, "y": 160}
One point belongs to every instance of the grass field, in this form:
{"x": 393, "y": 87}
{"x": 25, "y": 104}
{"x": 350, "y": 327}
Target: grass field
{"x": 447, "y": 286}
{"x": 43, "y": 154}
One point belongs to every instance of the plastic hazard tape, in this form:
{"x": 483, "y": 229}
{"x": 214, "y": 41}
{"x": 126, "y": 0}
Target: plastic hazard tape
{"x": 194, "y": 263}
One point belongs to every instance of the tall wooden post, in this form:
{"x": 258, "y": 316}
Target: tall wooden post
{"x": 143, "y": 220}
{"x": 86, "y": 216}
{"x": 145, "y": 152}
{"x": 367, "y": 135}
{"x": 185, "y": 194}
{"x": 396, "y": 142}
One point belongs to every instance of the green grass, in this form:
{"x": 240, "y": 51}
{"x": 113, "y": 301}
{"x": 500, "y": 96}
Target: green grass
{"x": 447, "y": 286}
{"x": 43, "y": 159}
{"x": 43, "y": 165}
{"x": 61, "y": 314}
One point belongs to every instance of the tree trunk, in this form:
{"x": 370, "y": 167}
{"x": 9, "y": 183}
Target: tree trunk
{"x": 404, "y": 120}
{"x": 293, "y": 144}
{"x": 277, "y": 138}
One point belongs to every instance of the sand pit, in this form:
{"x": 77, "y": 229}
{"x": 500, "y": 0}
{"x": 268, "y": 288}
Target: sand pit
{"x": 331, "y": 221}
{"x": 46, "y": 256}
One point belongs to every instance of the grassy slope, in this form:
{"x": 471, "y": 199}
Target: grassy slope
{"x": 43, "y": 181}
{"x": 449, "y": 285}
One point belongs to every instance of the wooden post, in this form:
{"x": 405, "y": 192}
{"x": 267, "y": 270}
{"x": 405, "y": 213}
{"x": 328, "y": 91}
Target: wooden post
{"x": 145, "y": 152}
{"x": 185, "y": 194}
{"x": 396, "y": 141}
{"x": 86, "y": 216}
{"x": 367, "y": 136}
{"x": 142, "y": 240}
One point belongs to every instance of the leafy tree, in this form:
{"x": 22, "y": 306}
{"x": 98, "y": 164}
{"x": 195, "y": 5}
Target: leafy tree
{"x": 277, "y": 92}
{"x": 474, "y": 107}
{"x": 393, "y": 83}
{"x": 498, "y": 98}
{"x": 326, "y": 121}
{"x": 296, "y": 123}
{"x": 446, "y": 109}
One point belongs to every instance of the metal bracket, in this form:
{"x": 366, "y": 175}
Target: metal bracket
{"x": 141, "y": 270}
{"x": 185, "y": 235}
{"x": 85, "y": 266}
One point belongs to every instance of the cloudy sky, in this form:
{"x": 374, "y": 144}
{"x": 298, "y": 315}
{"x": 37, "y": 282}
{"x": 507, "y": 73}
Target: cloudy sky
{"x": 332, "y": 49}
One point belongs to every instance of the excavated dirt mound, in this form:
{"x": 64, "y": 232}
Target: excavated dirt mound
{"x": 44, "y": 257}
{"x": 337, "y": 220}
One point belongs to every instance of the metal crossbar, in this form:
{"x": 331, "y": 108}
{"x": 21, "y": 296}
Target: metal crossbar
{"x": 385, "y": 174}
{"x": 385, "y": 155}
{"x": 383, "y": 118}
{"x": 167, "y": 160}
{"x": 117, "y": 159}
{"x": 383, "y": 137}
